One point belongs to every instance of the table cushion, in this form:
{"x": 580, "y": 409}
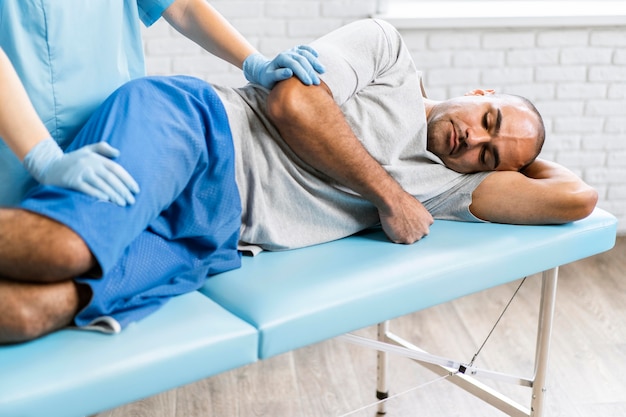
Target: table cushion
{"x": 76, "y": 372}
{"x": 303, "y": 296}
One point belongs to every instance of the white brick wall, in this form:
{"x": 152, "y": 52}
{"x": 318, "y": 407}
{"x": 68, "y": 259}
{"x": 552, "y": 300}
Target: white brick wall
{"x": 270, "y": 25}
{"x": 576, "y": 76}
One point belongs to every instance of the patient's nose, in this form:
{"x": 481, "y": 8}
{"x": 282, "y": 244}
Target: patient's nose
{"x": 476, "y": 137}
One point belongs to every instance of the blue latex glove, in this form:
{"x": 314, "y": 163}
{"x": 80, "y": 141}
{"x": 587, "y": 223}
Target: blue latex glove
{"x": 87, "y": 169}
{"x": 300, "y": 61}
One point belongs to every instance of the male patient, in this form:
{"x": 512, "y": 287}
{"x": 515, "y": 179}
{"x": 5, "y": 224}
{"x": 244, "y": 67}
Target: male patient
{"x": 308, "y": 164}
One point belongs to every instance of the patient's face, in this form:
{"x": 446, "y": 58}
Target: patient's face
{"x": 483, "y": 133}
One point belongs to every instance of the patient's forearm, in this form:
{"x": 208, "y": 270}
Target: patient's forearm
{"x": 545, "y": 193}
{"x": 574, "y": 198}
{"x": 542, "y": 169}
{"x": 314, "y": 127}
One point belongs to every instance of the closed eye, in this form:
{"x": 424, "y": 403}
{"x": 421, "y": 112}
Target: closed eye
{"x": 497, "y": 124}
{"x": 482, "y": 156}
{"x": 495, "y": 156}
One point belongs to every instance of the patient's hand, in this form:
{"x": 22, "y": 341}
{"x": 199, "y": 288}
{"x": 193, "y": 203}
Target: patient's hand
{"x": 406, "y": 221}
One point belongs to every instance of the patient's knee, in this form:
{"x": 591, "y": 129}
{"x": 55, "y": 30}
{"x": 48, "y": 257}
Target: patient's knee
{"x": 23, "y": 326}
{"x": 71, "y": 260}
{"x": 29, "y": 311}
{"x": 38, "y": 249}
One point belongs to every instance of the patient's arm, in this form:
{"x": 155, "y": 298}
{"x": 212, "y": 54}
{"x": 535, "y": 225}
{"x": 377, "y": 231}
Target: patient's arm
{"x": 546, "y": 193}
{"x": 314, "y": 127}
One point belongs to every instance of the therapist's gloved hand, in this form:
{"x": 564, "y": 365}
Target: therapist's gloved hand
{"x": 300, "y": 61}
{"x": 88, "y": 169}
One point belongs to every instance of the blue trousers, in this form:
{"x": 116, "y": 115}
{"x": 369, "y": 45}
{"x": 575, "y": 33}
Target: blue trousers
{"x": 175, "y": 140}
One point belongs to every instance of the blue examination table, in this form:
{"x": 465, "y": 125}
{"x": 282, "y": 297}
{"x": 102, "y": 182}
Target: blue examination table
{"x": 282, "y": 301}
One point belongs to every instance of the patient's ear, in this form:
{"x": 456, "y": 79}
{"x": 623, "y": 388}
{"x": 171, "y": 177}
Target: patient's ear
{"x": 480, "y": 92}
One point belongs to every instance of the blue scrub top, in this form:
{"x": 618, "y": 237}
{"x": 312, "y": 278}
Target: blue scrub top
{"x": 70, "y": 55}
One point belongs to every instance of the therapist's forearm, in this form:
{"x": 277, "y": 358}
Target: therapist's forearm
{"x": 20, "y": 126}
{"x": 200, "y": 22}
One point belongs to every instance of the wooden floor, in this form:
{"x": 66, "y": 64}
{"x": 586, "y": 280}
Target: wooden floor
{"x": 587, "y": 370}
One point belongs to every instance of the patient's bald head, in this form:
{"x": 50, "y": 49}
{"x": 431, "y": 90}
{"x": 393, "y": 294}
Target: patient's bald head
{"x": 484, "y": 131}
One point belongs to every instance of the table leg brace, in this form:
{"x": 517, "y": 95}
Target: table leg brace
{"x": 464, "y": 376}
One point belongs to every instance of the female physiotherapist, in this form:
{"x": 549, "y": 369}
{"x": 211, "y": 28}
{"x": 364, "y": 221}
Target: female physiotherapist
{"x": 70, "y": 55}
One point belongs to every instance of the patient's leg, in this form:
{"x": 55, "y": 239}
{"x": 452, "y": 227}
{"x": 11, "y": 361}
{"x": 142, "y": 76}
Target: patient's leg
{"x": 28, "y": 311}
{"x": 38, "y": 258}
{"x": 34, "y": 248}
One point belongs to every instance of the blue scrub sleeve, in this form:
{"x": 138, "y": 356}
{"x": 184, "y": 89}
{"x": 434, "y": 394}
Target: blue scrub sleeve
{"x": 151, "y": 10}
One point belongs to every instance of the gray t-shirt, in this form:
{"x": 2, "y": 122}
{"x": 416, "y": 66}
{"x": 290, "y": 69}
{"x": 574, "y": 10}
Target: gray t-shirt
{"x": 286, "y": 203}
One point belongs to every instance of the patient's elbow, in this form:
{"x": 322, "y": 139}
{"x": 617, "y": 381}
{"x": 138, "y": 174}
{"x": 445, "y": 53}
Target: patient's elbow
{"x": 589, "y": 202}
{"x": 581, "y": 204}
